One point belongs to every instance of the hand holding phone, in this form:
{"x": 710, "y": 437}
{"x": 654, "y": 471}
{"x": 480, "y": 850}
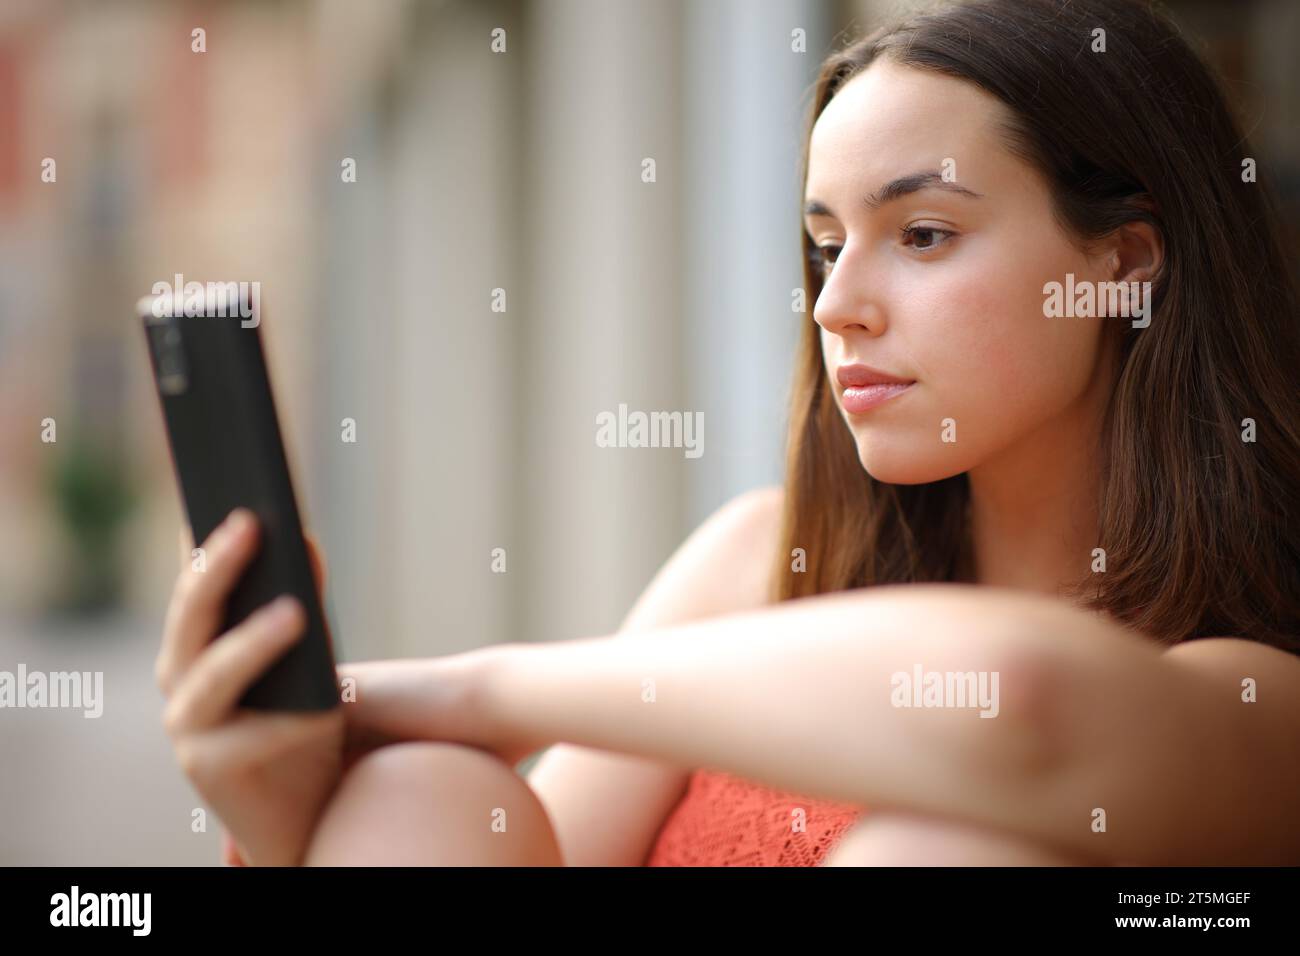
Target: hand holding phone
{"x": 246, "y": 661}
{"x": 266, "y": 774}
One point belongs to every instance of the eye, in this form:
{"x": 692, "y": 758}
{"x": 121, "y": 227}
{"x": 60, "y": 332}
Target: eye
{"x": 925, "y": 238}
{"x": 823, "y": 257}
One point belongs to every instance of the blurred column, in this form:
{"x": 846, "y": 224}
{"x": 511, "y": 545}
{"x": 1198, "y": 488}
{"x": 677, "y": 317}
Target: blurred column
{"x": 455, "y": 400}
{"x": 417, "y": 358}
{"x": 745, "y": 112}
{"x": 598, "y": 318}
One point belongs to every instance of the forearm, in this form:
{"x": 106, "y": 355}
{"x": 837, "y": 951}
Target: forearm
{"x": 1090, "y": 717}
{"x": 800, "y": 697}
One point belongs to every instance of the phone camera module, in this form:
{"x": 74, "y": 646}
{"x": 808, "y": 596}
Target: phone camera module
{"x": 173, "y": 373}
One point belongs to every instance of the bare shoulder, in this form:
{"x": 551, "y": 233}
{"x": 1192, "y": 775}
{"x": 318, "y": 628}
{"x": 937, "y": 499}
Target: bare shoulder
{"x": 723, "y": 567}
{"x": 1235, "y": 669}
{"x": 1233, "y": 655}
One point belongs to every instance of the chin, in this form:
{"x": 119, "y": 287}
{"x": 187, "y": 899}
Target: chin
{"x": 902, "y": 463}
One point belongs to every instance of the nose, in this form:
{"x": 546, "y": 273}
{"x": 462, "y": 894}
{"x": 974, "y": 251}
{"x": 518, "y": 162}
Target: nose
{"x": 850, "y": 299}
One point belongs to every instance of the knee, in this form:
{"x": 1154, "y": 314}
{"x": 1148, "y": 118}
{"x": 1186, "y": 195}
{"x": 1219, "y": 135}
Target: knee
{"x": 893, "y": 839}
{"x": 433, "y": 803}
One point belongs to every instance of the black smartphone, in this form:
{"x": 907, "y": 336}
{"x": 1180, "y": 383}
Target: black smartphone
{"x": 210, "y": 373}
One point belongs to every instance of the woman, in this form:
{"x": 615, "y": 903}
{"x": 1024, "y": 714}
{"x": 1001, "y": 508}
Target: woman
{"x": 1074, "y": 510}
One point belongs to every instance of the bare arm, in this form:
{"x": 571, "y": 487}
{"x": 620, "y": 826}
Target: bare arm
{"x": 1089, "y": 716}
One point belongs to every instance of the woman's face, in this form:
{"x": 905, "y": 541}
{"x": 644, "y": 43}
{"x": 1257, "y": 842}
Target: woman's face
{"x": 941, "y": 285}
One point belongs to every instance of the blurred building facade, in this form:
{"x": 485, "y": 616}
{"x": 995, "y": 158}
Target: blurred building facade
{"x": 475, "y": 170}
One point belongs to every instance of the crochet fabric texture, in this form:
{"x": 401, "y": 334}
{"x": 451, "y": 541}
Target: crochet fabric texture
{"x": 724, "y": 820}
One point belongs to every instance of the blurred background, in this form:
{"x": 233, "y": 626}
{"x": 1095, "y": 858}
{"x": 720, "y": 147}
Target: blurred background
{"x": 475, "y": 170}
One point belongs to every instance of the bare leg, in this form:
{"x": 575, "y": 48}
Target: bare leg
{"x": 433, "y": 804}
{"x": 895, "y": 839}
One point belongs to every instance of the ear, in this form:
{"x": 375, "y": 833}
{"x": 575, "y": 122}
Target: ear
{"x": 1135, "y": 253}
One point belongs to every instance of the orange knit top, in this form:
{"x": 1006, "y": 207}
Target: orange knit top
{"x": 724, "y": 820}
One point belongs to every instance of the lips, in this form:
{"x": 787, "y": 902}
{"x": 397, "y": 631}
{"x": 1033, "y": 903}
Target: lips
{"x": 865, "y": 387}
{"x": 858, "y": 376}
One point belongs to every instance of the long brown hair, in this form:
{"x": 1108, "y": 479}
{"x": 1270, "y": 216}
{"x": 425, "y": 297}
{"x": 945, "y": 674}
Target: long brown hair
{"x": 1200, "y": 528}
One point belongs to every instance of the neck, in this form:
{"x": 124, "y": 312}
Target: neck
{"x": 1034, "y": 508}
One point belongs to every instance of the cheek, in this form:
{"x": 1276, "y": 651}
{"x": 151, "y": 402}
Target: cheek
{"x": 982, "y": 339}
{"x": 990, "y": 360}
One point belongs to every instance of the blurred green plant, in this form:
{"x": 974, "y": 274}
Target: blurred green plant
{"x": 93, "y": 495}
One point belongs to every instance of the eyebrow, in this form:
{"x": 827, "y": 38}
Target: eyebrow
{"x": 895, "y": 189}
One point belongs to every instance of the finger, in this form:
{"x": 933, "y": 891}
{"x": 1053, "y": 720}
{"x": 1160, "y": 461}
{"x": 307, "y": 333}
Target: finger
{"x": 194, "y": 615}
{"x": 258, "y": 737}
{"x": 316, "y": 555}
{"x": 198, "y": 601}
{"x": 209, "y": 690}
{"x": 247, "y": 740}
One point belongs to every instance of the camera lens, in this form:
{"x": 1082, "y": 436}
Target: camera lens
{"x": 173, "y": 374}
